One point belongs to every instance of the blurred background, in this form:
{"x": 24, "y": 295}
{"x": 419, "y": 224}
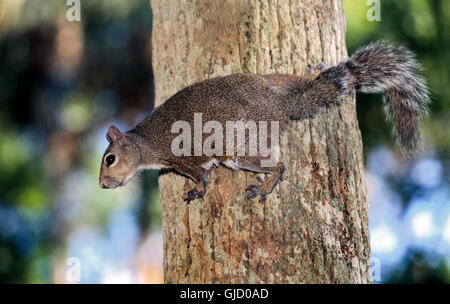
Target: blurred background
{"x": 61, "y": 85}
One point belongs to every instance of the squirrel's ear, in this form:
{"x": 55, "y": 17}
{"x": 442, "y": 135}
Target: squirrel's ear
{"x": 115, "y": 136}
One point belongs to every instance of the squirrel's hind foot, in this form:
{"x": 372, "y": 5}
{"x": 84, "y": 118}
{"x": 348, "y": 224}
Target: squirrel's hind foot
{"x": 193, "y": 194}
{"x": 254, "y": 190}
{"x": 266, "y": 187}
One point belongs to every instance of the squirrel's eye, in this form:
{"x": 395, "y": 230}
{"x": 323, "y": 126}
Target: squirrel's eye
{"x": 110, "y": 159}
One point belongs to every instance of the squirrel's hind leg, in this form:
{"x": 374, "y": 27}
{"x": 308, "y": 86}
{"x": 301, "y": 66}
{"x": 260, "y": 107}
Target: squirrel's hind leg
{"x": 267, "y": 185}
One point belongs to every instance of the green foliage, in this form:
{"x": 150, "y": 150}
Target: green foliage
{"x": 423, "y": 27}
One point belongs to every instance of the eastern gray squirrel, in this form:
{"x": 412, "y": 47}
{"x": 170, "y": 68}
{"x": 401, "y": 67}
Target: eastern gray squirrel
{"x": 375, "y": 68}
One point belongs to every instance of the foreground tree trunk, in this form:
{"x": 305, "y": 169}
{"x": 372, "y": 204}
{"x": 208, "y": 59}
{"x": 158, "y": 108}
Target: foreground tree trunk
{"x": 314, "y": 227}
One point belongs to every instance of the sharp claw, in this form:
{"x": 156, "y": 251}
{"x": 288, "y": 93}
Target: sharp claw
{"x": 189, "y": 198}
{"x": 193, "y": 194}
{"x": 262, "y": 198}
{"x": 251, "y": 195}
{"x": 254, "y": 191}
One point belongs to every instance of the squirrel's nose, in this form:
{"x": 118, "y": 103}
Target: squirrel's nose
{"x": 103, "y": 185}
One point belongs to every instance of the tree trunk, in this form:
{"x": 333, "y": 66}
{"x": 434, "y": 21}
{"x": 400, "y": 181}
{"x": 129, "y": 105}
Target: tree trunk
{"x": 314, "y": 227}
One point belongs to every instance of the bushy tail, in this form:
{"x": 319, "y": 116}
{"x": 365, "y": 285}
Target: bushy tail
{"x": 378, "y": 68}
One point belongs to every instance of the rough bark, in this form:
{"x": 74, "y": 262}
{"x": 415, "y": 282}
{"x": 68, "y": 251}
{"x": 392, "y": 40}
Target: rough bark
{"x": 314, "y": 227}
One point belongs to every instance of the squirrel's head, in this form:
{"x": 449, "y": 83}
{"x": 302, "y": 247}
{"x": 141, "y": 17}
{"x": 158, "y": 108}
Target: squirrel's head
{"x": 120, "y": 161}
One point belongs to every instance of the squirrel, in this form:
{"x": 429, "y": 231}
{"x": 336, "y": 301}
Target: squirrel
{"x": 376, "y": 68}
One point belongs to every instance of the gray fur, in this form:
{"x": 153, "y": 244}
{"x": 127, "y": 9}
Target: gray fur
{"x": 376, "y": 68}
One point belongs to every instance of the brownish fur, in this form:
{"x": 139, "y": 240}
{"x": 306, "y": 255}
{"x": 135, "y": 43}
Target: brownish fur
{"x": 275, "y": 97}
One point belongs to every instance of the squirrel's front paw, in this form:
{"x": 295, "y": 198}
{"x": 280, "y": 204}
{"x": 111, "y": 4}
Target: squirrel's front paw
{"x": 255, "y": 190}
{"x": 193, "y": 194}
